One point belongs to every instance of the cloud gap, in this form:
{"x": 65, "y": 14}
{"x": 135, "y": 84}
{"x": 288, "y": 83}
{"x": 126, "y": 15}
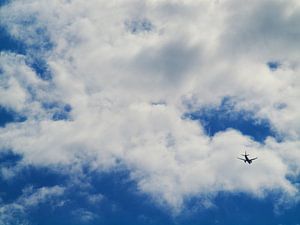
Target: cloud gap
{"x": 9, "y": 116}
{"x": 4, "y": 2}
{"x": 224, "y": 116}
{"x": 8, "y": 158}
{"x": 8, "y": 43}
{"x": 62, "y": 113}
{"x": 273, "y": 65}
{"x": 35, "y": 46}
{"x": 40, "y": 67}
{"x": 59, "y": 111}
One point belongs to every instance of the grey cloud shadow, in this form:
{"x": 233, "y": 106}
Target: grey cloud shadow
{"x": 265, "y": 27}
{"x": 168, "y": 63}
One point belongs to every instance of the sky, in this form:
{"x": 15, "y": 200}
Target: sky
{"x": 134, "y": 112}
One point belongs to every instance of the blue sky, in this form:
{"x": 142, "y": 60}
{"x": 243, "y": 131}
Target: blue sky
{"x": 139, "y": 119}
{"x": 123, "y": 204}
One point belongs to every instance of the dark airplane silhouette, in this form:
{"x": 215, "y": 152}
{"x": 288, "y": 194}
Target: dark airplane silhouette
{"x": 246, "y": 159}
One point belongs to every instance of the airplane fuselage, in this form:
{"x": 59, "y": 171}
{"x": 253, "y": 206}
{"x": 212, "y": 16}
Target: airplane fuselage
{"x": 246, "y": 159}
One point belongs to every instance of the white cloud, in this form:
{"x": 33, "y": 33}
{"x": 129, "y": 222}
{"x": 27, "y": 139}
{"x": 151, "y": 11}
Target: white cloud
{"x": 32, "y": 198}
{"x": 196, "y": 52}
{"x": 84, "y": 216}
{"x": 15, "y": 212}
{"x": 95, "y": 198}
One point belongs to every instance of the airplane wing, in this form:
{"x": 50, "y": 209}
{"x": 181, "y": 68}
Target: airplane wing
{"x": 241, "y": 159}
{"x": 254, "y": 158}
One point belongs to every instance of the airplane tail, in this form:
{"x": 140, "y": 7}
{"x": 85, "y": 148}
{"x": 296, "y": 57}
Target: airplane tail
{"x": 245, "y": 154}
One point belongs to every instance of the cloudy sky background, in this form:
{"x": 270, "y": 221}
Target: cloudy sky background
{"x": 137, "y": 110}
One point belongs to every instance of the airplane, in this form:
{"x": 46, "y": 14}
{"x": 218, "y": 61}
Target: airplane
{"x": 246, "y": 159}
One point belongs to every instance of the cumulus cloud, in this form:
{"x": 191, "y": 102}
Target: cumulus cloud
{"x": 110, "y": 61}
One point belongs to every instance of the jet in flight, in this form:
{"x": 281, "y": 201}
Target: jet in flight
{"x": 246, "y": 159}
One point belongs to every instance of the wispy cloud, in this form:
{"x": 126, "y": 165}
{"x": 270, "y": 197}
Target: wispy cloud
{"x": 15, "y": 212}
